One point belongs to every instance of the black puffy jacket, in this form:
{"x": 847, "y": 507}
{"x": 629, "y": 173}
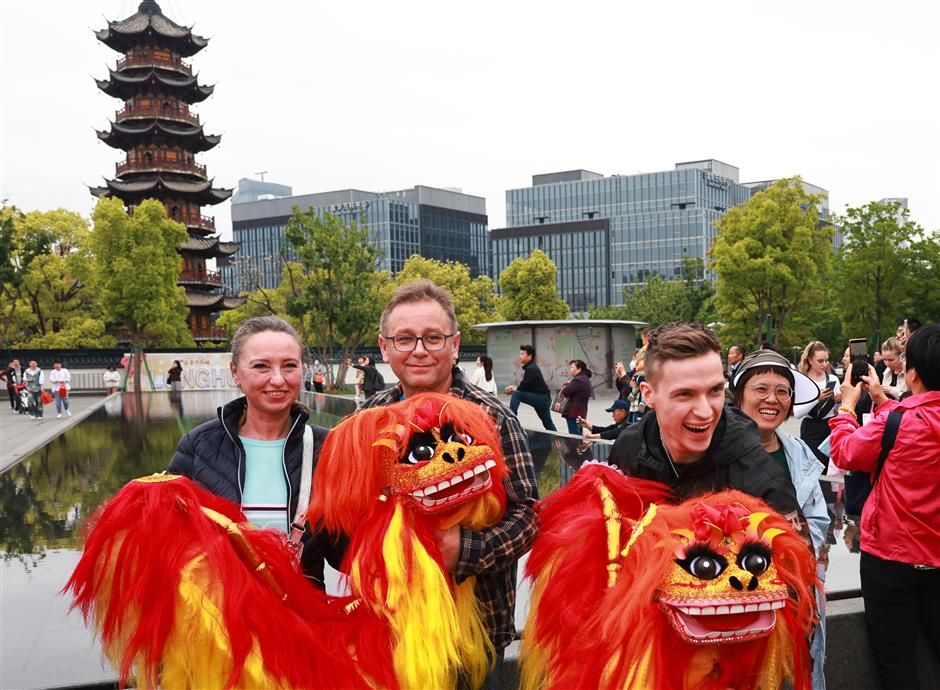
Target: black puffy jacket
{"x": 734, "y": 460}
{"x": 213, "y": 456}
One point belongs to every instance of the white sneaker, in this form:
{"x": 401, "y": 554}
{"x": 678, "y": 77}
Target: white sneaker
{"x": 59, "y": 416}
{"x": 68, "y": 412}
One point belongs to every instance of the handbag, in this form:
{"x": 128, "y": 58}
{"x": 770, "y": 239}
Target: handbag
{"x": 46, "y": 397}
{"x": 560, "y": 404}
{"x": 63, "y": 392}
{"x": 858, "y": 484}
{"x": 318, "y": 378}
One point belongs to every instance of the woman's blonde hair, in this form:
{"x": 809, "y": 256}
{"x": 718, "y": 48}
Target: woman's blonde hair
{"x": 809, "y": 352}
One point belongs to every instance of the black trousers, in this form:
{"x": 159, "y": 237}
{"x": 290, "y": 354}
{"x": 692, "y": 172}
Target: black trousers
{"x": 12, "y": 393}
{"x": 899, "y": 599}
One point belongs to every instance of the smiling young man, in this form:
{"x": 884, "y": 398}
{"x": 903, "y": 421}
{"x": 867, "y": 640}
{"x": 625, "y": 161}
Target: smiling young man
{"x": 690, "y": 440}
{"x": 420, "y": 340}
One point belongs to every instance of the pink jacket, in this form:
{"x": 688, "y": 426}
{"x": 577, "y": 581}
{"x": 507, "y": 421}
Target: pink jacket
{"x": 901, "y": 519}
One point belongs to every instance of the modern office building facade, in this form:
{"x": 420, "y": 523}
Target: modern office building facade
{"x": 607, "y": 233}
{"x": 442, "y": 224}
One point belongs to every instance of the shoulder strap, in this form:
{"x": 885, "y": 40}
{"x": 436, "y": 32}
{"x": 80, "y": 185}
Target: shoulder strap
{"x": 303, "y": 498}
{"x": 888, "y": 438}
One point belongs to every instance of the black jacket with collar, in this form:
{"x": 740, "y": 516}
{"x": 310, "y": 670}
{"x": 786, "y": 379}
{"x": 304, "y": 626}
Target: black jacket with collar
{"x": 213, "y": 456}
{"x": 734, "y": 459}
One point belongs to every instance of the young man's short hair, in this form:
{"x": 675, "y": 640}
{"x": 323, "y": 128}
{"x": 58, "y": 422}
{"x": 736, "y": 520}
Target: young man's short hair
{"x": 923, "y": 355}
{"x": 420, "y": 291}
{"x": 678, "y": 340}
{"x": 528, "y": 349}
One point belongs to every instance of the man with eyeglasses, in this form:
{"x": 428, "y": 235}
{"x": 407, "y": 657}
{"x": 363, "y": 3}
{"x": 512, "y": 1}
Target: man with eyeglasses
{"x": 419, "y": 339}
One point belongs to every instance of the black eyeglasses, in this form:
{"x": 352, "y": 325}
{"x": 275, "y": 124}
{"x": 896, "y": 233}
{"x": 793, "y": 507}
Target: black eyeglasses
{"x": 432, "y": 342}
{"x": 762, "y": 391}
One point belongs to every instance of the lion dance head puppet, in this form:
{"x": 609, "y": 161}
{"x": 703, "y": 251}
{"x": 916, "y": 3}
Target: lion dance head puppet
{"x": 185, "y": 594}
{"x": 630, "y": 592}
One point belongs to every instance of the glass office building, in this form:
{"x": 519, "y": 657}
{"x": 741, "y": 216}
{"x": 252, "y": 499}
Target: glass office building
{"x": 442, "y": 224}
{"x": 607, "y": 233}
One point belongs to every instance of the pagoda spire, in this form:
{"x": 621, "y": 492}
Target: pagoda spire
{"x": 160, "y": 136}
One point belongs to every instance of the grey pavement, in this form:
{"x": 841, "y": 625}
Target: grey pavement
{"x": 20, "y": 435}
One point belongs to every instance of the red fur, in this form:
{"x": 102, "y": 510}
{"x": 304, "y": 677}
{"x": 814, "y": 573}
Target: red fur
{"x": 581, "y": 624}
{"x": 145, "y": 536}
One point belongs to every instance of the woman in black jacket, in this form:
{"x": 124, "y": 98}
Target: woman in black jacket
{"x": 253, "y": 454}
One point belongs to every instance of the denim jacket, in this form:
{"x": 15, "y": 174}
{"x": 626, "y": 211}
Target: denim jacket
{"x": 805, "y": 470}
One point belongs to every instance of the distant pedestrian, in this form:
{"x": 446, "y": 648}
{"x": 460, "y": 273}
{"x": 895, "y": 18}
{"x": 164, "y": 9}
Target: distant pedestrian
{"x": 319, "y": 375}
{"x": 112, "y": 379}
{"x": 11, "y": 375}
{"x": 174, "y": 377}
{"x": 578, "y": 390}
{"x": 60, "y": 380}
{"x": 372, "y": 380}
{"x": 532, "y": 390}
{"x": 33, "y": 378}
{"x": 482, "y": 377}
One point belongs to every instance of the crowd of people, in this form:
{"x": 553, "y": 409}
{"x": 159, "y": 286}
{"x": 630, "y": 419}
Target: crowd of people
{"x": 683, "y": 417}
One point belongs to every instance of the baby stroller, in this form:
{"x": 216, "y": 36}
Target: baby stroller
{"x": 22, "y": 398}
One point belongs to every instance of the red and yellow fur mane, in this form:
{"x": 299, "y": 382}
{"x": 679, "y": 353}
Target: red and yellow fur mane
{"x": 185, "y": 594}
{"x": 381, "y": 500}
{"x": 630, "y": 592}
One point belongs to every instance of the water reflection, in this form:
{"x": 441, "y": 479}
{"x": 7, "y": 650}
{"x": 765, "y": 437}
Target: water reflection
{"x": 48, "y": 496}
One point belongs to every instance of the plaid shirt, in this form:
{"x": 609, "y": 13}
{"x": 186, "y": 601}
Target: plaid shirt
{"x": 491, "y": 555}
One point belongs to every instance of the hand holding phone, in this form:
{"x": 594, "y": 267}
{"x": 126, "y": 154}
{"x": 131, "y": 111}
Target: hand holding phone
{"x": 858, "y": 353}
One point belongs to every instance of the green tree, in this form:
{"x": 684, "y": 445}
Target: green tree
{"x": 880, "y": 273}
{"x": 134, "y": 266}
{"x": 925, "y": 279}
{"x": 772, "y": 256}
{"x": 657, "y": 300}
{"x": 272, "y": 302}
{"x": 342, "y": 293}
{"x": 45, "y": 301}
{"x": 529, "y": 293}
{"x": 474, "y": 298}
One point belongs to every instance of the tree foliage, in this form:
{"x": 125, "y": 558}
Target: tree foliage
{"x": 657, "y": 300}
{"x": 340, "y": 292}
{"x": 887, "y": 269}
{"x": 134, "y": 266}
{"x": 772, "y": 256}
{"x": 474, "y": 298}
{"x": 528, "y": 287}
{"x": 45, "y": 299}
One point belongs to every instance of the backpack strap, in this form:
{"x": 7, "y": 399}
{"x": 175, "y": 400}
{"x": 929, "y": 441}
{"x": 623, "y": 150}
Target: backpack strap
{"x": 888, "y": 438}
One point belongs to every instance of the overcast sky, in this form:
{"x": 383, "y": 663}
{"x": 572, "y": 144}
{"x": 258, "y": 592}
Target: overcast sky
{"x": 481, "y": 95}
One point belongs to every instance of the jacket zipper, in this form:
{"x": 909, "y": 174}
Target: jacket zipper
{"x": 238, "y": 449}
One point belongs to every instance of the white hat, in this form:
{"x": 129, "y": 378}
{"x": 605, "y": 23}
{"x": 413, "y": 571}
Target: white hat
{"x": 805, "y": 389}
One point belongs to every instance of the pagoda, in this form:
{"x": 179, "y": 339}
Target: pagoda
{"x": 160, "y": 137}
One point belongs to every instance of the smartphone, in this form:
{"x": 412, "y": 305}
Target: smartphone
{"x": 858, "y": 352}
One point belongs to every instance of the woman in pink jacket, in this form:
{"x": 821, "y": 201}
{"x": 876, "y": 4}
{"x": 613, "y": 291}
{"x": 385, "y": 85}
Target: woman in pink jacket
{"x": 900, "y": 560}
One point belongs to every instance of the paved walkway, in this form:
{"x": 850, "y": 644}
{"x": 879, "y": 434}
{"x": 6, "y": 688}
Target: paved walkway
{"x": 20, "y": 435}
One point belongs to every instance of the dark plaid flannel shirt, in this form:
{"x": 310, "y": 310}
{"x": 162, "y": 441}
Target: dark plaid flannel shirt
{"x": 491, "y": 555}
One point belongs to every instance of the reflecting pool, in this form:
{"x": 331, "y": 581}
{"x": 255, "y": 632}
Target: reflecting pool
{"x": 47, "y": 497}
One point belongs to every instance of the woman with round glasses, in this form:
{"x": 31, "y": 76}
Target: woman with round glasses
{"x": 765, "y": 389}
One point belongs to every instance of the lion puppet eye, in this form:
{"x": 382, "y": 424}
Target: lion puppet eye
{"x": 703, "y": 563}
{"x": 754, "y": 558}
{"x": 421, "y": 453}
